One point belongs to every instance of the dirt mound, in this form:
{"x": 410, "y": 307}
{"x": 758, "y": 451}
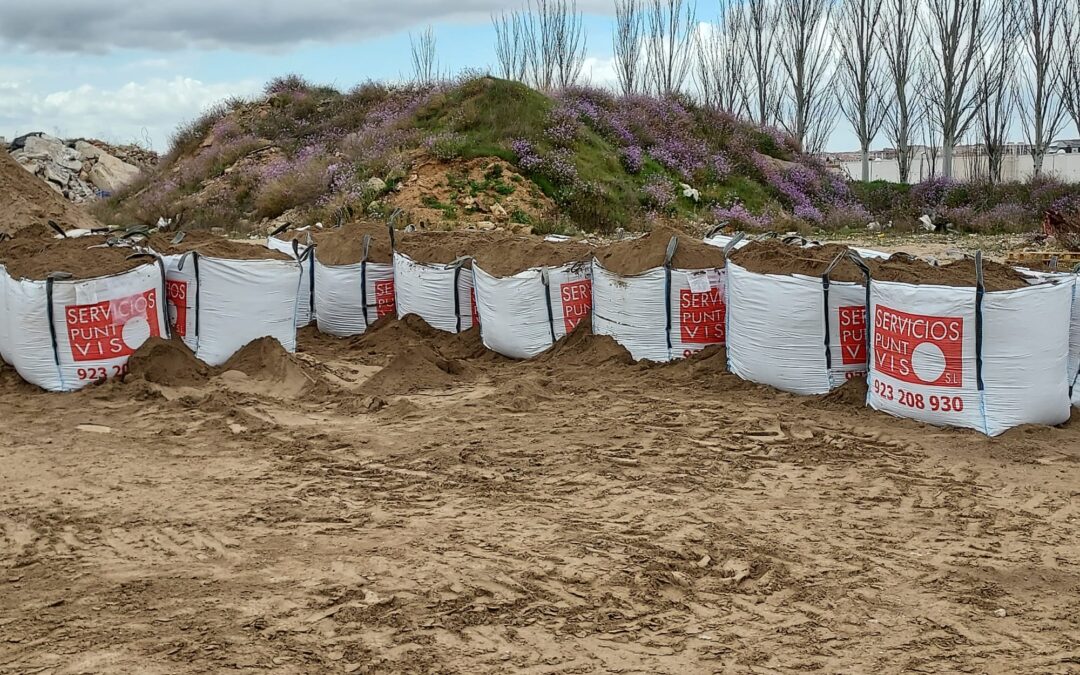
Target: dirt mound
{"x": 584, "y": 348}
{"x": 704, "y": 365}
{"x": 506, "y": 258}
{"x": 213, "y": 246}
{"x": 167, "y": 362}
{"x": 414, "y": 368}
{"x": 634, "y": 256}
{"x": 37, "y": 256}
{"x": 265, "y": 359}
{"x": 851, "y": 393}
{"x": 909, "y": 270}
{"x": 391, "y": 336}
{"x": 772, "y": 256}
{"x": 345, "y": 245}
{"x": 26, "y": 200}
{"x": 446, "y": 247}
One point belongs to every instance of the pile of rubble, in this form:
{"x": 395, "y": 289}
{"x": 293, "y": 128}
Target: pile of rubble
{"x": 80, "y": 170}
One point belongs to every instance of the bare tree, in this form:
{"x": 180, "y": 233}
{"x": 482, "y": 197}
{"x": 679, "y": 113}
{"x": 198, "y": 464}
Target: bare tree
{"x": 862, "y": 76}
{"x": 954, "y": 31}
{"x": 669, "y": 42}
{"x": 762, "y": 90}
{"x": 1070, "y": 80}
{"x": 902, "y": 54}
{"x": 721, "y": 61}
{"x": 510, "y": 48}
{"x": 627, "y": 42}
{"x": 997, "y": 70}
{"x": 425, "y": 69}
{"x": 924, "y": 80}
{"x": 1042, "y": 109}
{"x": 806, "y": 60}
{"x": 543, "y": 45}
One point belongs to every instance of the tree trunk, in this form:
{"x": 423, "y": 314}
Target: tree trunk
{"x": 1037, "y": 158}
{"x": 865, "y": 164}
{"x": 946, "y": 160}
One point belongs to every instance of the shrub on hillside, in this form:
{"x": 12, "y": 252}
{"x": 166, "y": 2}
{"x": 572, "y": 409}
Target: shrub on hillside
{"x": 304, "y": 184}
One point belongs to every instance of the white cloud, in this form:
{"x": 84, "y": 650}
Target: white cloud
{"x": 136, "y": 111}
{"x": 105, "y": 25}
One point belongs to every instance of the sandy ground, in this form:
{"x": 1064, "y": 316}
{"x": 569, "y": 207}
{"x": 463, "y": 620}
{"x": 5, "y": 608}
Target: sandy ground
{"x": 536, "y": 518}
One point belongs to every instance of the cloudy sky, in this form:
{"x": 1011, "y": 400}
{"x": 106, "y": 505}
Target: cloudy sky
{"x": 130, "y": 71}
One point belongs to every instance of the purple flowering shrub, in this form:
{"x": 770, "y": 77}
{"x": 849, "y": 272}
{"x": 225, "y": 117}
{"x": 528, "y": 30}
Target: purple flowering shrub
{"x": 738, "y": 217}
{"x": 658, "y": 193}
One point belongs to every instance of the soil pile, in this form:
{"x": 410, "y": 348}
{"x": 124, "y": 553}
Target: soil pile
{"x": 26, "y": 200}
{"x": 506, "y": 258}
{"x": 635, "y": 256}
{"x": 265, "y": 359}
{"x": 772, "y": 256}
{"x": 345, "y": 245}
{"x": 582, "y": 347}
{"x": 391, "y": 336}
{"x": 702, "y": 366}
{"x": 36, "y": 257}
{"x": 415, "y": 368}
{"x": 906, "y": 269}
{"x": 213, "y": 246}
{"x": 851, "y": 393}
{"x": 446, "y": 247}
{"x": 167, "y": 362}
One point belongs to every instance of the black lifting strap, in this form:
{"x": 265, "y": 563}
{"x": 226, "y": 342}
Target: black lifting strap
{"x": 980, "y": 291}
{"x": 164, "y": 288}
{"x": 854, "y": 257}
{"x": 825, "y": 298}
{"x": 311, "y": 274}
{"x": 672, "y": 245}
{"x": 546, "y": 280}
{"x": 365, "y": 245}
{"x": 457, "y": 296}
{"x": 198, "y": 285}
{"x": 50, "y": 313}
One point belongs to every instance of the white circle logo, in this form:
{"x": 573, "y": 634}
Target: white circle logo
{"x": 135, "y": 332}
{"x": 928, "y": 362}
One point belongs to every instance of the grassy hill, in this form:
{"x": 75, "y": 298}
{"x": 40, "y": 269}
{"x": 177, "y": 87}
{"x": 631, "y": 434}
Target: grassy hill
{"x": 482, "y": 149}
{"x": 497, "y": 152}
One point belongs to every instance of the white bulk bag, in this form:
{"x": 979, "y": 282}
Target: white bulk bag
{"x": 722, "y": 240}
{"x": 524, "y": 314}
{"x": 777, "y": 332}
{"x": 941, "y": 355}
{"x": 1074, "y": 331}
{"x": 662, "y": 313}
{"x": 305, "y": 308}
{"x": 442, "y": 295}
{"x": 226, "y": 304}
{"x": 349, "y": 298}
{"x": 64, "y": 334}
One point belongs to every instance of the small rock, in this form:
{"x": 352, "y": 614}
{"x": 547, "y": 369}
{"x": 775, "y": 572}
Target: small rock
{"x": 1000, "y": 613}
{"x": 486, "y": 225}
{"x": 499, "y": 212}
{"x": 375, "y": 184}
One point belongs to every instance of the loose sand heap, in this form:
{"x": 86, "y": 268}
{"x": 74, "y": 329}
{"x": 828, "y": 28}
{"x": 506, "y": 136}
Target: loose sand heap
{"x": 634, "y": 256}
{"x": 582, "y": 347}
{"x": 26, "y": 200}
{"x": 33, "y": 255}
{"x": 212, "y": 246}
{"x": 772, "y": 256}
{"x": 167, "y": 362}
{"x": 446, "y": 247}
{"x": 345, "y": 245}
{"x": 416, "y": 356}
{"x": 517, "y": 254}
{"x": 908, "y": 270}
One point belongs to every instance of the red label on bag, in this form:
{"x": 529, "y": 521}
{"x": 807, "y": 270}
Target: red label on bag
{"x": 111, "y": 328}
{"x": 853, "y": 335}
{"x": 576, "y": 299}
{"x": 384, "y": 298}
{"x": 701, "y": 316}
{"x": 177, "y": 306}
{"x": 919, "y": 349}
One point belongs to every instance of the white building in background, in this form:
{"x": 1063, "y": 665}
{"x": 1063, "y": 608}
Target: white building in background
{"x": 1062, "y": 162}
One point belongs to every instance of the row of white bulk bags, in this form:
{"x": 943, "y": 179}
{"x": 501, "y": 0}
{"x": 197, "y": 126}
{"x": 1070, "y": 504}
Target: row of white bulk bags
{"x": 62, "y": 334}
{"x": 796, "y": 333}
{"x": 349, "y": 298}
{"x": 964, "y": 357}
{"x": 305, "y": 308}
{"x": 218, "y": 305}
{"x": 660, "y": 314}
{"x": 440, "y": 294}
{"x": 723, "y": 240}
{"x": 524, "y": 314}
